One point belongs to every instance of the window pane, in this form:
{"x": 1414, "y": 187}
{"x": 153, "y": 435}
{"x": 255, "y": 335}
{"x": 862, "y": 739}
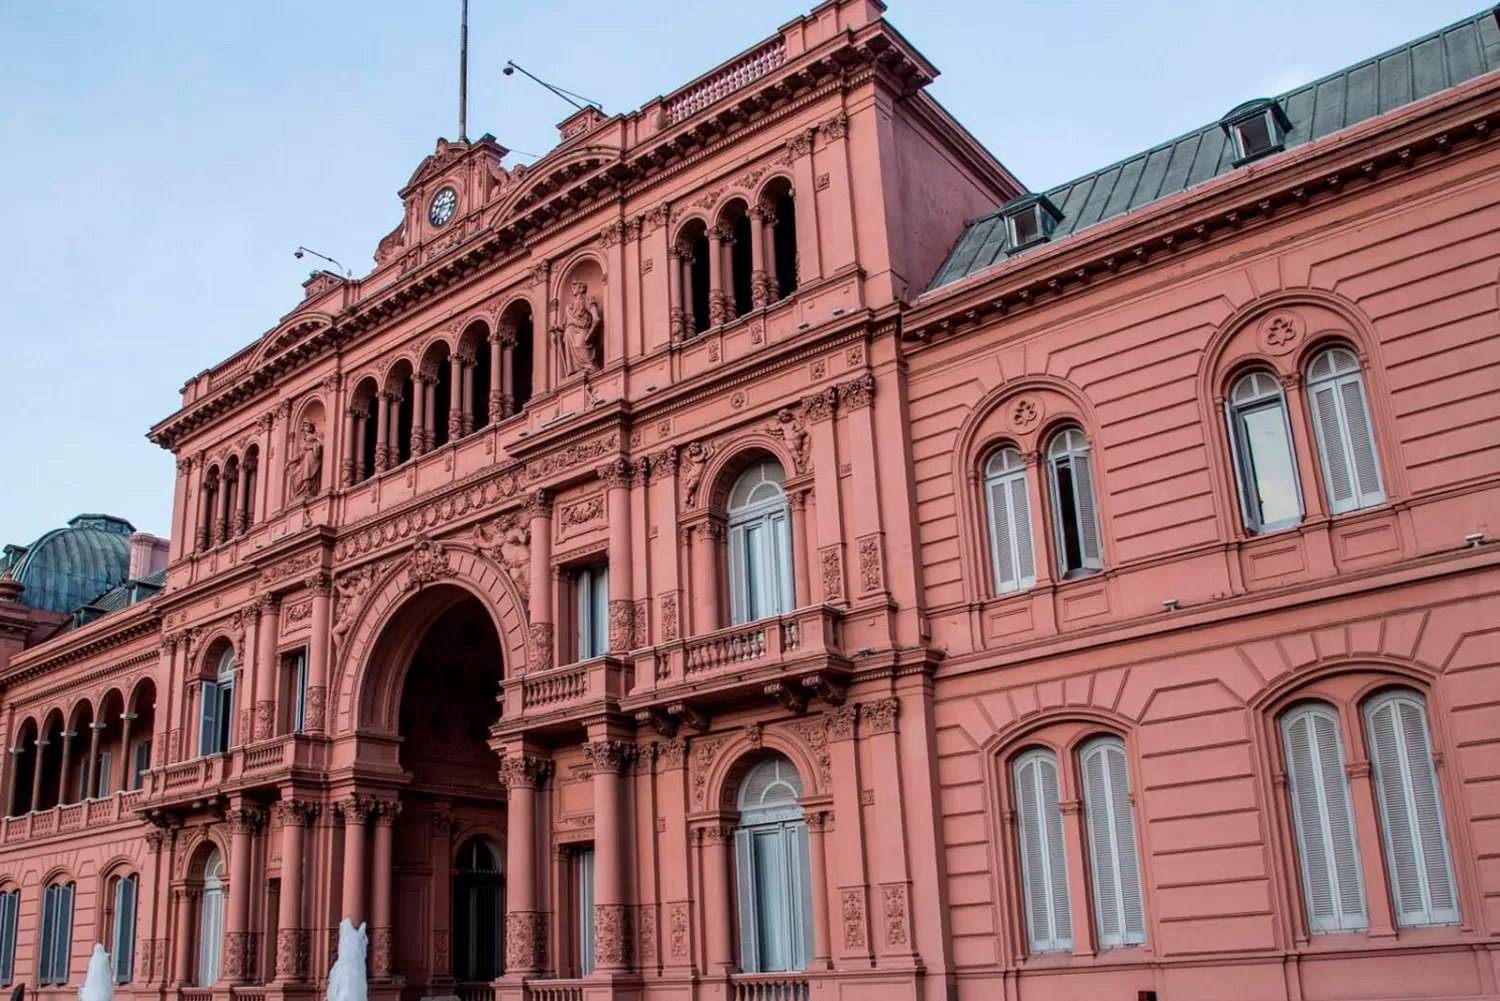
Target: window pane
{"x": 586, "y": 912}
{"x": 755, "y": 572}
{"x": 1272, "y": 472}
{"x": 1070, "y": 550}
{"x": 773, "y": 917}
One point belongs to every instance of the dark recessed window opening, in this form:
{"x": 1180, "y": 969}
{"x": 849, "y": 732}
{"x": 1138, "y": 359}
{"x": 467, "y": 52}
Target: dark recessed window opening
{"x": 1029, "y": 220}
{"x": 1256, "y": 128}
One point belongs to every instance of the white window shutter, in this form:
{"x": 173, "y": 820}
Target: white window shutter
{"x": 10, "y": 904}
{"x": 1327, "y": 847}
{"x": 1020, "y": 516}
{"x": 124, "y": 940}
{"x": 803, "y": 891}
{"x": 49, "y": 935}
{"x": 1333, "y": 449}
{"x": 739, "y": 583}
{"x": 744, "y": 863}
{"x": 1043, "y": 857}
{"x": 61, "y": 958}
{"x": 208, "y": 731}
{"x": 1361, "y": 441}
{"x": 781, "y": 540}
{"x": 1088, "y": 511}
{"x": 1411, "y": 809}
{"x": 1111, "y": 824}
{"x": 1002, "y": 557}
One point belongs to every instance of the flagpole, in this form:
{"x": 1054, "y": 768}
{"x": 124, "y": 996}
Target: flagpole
{"x": 463, "y": 77}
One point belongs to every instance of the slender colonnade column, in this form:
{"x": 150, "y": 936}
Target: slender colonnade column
{"x": 525, "y": 931}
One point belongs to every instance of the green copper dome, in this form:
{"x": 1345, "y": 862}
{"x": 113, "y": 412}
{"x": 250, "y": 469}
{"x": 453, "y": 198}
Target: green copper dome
{"x": 69, "y": 567}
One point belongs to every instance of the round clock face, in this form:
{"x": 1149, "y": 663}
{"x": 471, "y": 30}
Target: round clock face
{"x": 443, "y": 204}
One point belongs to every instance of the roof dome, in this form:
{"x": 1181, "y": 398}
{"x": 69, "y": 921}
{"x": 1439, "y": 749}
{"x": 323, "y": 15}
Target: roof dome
{"x": 72, "y": 566}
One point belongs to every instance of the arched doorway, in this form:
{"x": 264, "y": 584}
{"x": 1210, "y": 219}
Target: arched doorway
{"x": 478, "y": 912}
{"x": 773, "y": 870}
{"x": 442, "y": 654}
{"x": 210, "y": 920}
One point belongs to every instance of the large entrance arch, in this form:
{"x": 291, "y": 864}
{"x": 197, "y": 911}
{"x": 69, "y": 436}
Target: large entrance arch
{"x": 431, "y": 689}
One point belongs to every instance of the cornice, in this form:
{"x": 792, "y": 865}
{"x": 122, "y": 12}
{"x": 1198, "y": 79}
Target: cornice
{"x": 1369, "y": 155}
{"x": 40, "y": 660}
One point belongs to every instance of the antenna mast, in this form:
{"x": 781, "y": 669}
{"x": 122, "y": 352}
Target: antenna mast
{"x": 463, "y": 77}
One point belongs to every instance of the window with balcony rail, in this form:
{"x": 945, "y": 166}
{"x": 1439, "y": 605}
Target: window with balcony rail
{"x": 216, "y": 712}
{"x": 210, "y": 921}
{"x": 773, "y": 871}
{"x": 760, "y": 545}
{"x": 591, "y": 611}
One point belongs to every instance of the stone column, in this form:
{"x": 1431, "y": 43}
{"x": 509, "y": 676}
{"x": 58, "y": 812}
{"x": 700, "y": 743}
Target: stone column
{"x": 618, "y": 476}
{"x": 243, "y": 823}
{"x": 36, "y": 774}
{"x": 321, "y": 586}
{"x": 293, "y": 941}
{"x": 817, "y": 824}
{"x": 91, "y": 780}
{"x": 13, "y": 763}
{"x": 612, "y": 932}
{"x": 706, "y": 539}
{"x": 718, "y": 898}
{"x": 263, "y": 682}
{"x": 676, "y": 313}
{"x": 354, "y": 446}
{"x": 122, "y": 770}
{"x": 382, "y": 431}
{"x": 67, "y": 761}
{"x": 525, "y": 924}
{"x": 356, "y": 823}
{"x": 152, "y": 961}
{"x": 773, "y": 282}
{"x": 381, "y": 893}
{"x": 685, "y": 284}
{"x": 715, "y": 276}
{"x": 758, "y": 289}
{"x": 458, "y": 404}
{"x": 205, "y": 512}
{"x": 226, "y": 487}
{"x": 543, "y": 637}
{"x": 501, "y": 390}
{"x": 889, "y": 843}
{"x": 443, "y": 827}
{"x": 422, "y": 413}
{"x": 183, "y": 935}
{"x": 802, "y": 548}
{"x": 242, "y": 503}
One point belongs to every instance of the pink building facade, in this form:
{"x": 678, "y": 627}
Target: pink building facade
{"x": 760, "y": 550}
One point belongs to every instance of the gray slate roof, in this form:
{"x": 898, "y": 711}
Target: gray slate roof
{"x": 1376, "y": 86}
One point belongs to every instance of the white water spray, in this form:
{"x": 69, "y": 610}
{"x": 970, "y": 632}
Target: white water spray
{"x": 98, "y": 984}
{"x": 346, "y": 980}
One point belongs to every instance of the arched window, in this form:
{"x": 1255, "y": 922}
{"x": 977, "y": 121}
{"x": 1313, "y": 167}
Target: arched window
{"x": 1411, "y": 810}
{"x": 773, "y": 870}
{"x": 1346, "y": 443}
{"x": 1265, "y": 465}
{"x": 1322, "y": 814}
{"x": 216, "y": 716}
{"x": 10, "y": 914}
{"x": 478, "y": 913}
{"x": 211, "y": 920}
{"x": 760, "y": 545}
{"x": 1111, "y": 841}
{"x": 57, "y": 934}
{"x": 1044, "y": 859}
{"x": 1011, "y": 552}
{"x": 1075, "y": 515}
{"x": 120, "y": 903}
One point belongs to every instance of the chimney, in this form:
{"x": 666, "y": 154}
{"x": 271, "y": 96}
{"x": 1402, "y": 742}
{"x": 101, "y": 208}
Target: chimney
{"x": 148, "y": 554}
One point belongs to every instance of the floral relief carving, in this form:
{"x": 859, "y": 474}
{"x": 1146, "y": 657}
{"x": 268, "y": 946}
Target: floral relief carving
{"x": 1025, "y": 413}
{"x": 703, "y": 754}
{"x": 857, "y": 393}
{"x": 671, "y": 753}
{"x": 893, "y": 904}
{"x": 621, "y": 624}
{"x": 840, "y": 722}
{"x": 677, "y": 928}
{"x": 837, "y": 126}
{"x": 580, "y": 514}
{"x": 293, "y": 946}
{"x": 525, "y": 940}
{"x": 831, "y": 561}
{"x": 852, "y": 907}
{"x": 820, "y": 406}
{"x": 540, "y": 635}
{"x": 317, "y": 699}
{"x": 612, "y": 935}
{"x": 1280, "y": 332}
{"x": 669, "y": 617}
{"x": 428, "y": 563}
{"x": 572, "y": 455}
{"x": 878, "y": 717}
{"x": 639, "y": 620}
{"x": 647, "y": 930}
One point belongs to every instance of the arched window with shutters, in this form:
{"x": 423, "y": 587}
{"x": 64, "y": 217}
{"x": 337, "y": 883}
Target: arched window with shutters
{"x": 1265, "y": 465}
{"x": 1411, "y": 810}
{"x": 210, "y": 920}
{"x": 56, "y": 950}
{"x": 1346, "y": 440}
{"x": 1012, "y": 555}
{"x": 1044, "y": 858}
{"x": 760, "y": 544}
{"x": 1113, "y": 858}
{"x": 1323, "y": 819}
{"x": 478, "y": 913}
{"x": 216, "y": 707}
{"x": 773, "y": 870}
{"x": 1075, "y": 512}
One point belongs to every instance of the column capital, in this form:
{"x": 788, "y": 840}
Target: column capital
{"x": 610, "y": 755}
{"x": 840, "y": 722}
{"x": 617, "y": 473}
{"x": 357, "y": 809}
{"x": 857, "y": 393}
{"x": 821, "y": 405}
{"x": 246, "y": 820}
{"x": 96, "y": 726}
{"x": 296, "y": 812}
{"x": 539, "y": 503}
{"x": 320, "y": 583}
{"x": 524, "y": 771}
{"x": 386, "y": 811}
{"x": 270, "y": 602}
{"x": 879, "y": 717}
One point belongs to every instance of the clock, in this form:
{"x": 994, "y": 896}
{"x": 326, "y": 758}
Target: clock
{"x": 443, "y": 204}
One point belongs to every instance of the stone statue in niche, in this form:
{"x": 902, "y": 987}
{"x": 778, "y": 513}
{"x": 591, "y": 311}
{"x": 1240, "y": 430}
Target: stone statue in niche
{"x": 304, "y": 469}
{"x": 579, "y": 337}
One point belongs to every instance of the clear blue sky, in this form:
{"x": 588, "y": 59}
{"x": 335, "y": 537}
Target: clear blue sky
{"x": 160, "y": 160}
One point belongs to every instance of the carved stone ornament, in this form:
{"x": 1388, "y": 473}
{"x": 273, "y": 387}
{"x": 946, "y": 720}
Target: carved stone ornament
{"x": 508, "y": 542}
{"x": 820, "y": 406}
{"x": 580, "y": 334}
{"x": 540, "y": 637}
{"x": 1280, "y": 332}
{"x": 621, "y": 624}
{"x": 693, "y": 459}
{"x": 871, "y": 565}
{"x": 893, "y": 904}
{"x": 669, "y": 617}
{"x": 840, "y": 722}
{"x": 348, "y": 589}
{"x": 304, "y": 467}
{"x": 523, "y": 771}
{"x": 610, "y": 755}
{"x": 878, "y": 717}
{"x": 852, "y": 907}
{"x": 831, "y": 562}
{"x": 790, "y": 430}
{"x": 428, "y": 563}
{"x": 1024, "y": 413}
{"x": 857, "y": 393}
{"x": 678, "y": 930}
{"x": 612, "y": 935}
{"x": 525, "y": 940}
{"x": 293, "y": 953}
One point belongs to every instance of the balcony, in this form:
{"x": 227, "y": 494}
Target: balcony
{"x": 790, "y": 657}
{"x": 266, "y": 762}
{"x": 556, "y": 695}
{"x": 70, "y": 818}
{"x": 771, "y": 987}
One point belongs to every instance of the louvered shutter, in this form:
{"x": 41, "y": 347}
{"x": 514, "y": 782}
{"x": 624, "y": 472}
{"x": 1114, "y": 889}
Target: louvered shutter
{"x": 1329, "y": 853}
{"x": 124, "y": 938}
{"x": 586, "y": 912}
{"x": 803, "y": 891}
{"x": 1020, "y": 517}
{"x": 1112, "y": 847}
{"x": 1043, "y": 858}
{"x": 1333, "y": 449}
{"x": 1361, "y": 441}
{"x": 101, "y": 787}
{"x": 781, "y": 540}
{"x": 1411, "y": 811}
{"x": 10, "y": 905}
{"x": 739, "y": 585}
{"x": 142, "y": 762}
{"x": 1088, "y": 512}
{"x": 49, "y": 935}
{"x": 744, "y": 864}
{"x": 62, "y": 953}
{"x": 208, "y": 731}
{"x": 1001, "y": 553}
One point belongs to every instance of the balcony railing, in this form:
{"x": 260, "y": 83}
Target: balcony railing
{"x": 474, "y": 992}
{"x": 70, "y": 817}
{"x": 754, "y": 650}
{"x": 254, "y": 763}
{"x": 771, "y": 987}
{"x": 554, "y": 990}
{"x": 560, "y": 688}
{"x": 715, "y": 87}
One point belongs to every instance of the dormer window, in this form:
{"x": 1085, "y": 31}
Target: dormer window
{"x": 1256, "y": 128}
{"x": 1029, "y": 220}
